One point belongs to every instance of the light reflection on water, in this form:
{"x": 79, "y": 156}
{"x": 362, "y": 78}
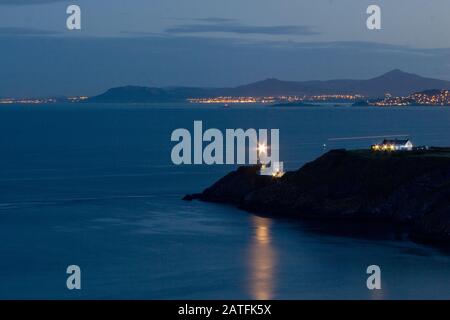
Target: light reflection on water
{"x": 262, "y": 260}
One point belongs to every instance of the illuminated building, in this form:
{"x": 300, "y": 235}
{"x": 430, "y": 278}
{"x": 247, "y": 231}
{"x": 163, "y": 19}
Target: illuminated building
{"x": 393, "y": 145}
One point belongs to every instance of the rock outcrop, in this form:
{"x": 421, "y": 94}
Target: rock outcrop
{"x": 410, "y": 188}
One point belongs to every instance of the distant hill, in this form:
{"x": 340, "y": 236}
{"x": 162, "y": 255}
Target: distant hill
{"x": 432, "y": 92}
{"x": 136, "y": 94}
{"x": 400, "y": 83}
{"x": 395, "y": 82}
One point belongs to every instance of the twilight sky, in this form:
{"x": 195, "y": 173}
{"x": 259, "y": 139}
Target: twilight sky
{"x": 213, "y": 42}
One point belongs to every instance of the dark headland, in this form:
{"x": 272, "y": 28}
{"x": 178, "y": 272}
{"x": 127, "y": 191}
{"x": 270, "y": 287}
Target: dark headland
{"x": 401, "y": 188}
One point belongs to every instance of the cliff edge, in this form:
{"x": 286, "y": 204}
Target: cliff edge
{"x": 411, "y": 188}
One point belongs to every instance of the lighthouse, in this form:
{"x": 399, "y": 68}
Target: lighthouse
{"x": 274, "y": 168}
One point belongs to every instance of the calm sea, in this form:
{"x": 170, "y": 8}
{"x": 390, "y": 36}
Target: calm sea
{"x": 93, "y": 185}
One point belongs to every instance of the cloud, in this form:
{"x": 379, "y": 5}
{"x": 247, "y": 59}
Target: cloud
{"x": 214, "y": 20}
{"x": 228, "y": 27}
{"x": 18, "y": 31}
{"x": 27, "y": 2}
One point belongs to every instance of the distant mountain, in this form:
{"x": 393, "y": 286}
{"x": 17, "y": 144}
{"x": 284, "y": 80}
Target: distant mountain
{"x": 400, "y": 83}
{"x": 136, "y": 94}
{"x": 395, "y": 82}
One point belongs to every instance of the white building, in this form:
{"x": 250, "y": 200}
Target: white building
{"x": 394, "y": 145}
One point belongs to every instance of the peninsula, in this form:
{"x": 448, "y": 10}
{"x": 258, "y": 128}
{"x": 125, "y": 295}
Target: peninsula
{"x": 403, "y": 188}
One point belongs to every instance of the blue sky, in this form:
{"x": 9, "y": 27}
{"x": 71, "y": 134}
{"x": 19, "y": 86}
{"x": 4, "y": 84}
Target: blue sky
{"x": 213, "y": 43}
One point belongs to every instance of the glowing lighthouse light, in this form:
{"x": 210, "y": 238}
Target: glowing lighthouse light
{"x": 262, "y": 148}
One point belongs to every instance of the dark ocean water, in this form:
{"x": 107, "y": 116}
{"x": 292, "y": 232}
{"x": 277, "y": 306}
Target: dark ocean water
{"x": 94, "y": 186}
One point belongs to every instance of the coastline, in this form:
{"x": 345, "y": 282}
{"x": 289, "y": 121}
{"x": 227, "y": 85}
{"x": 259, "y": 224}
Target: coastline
{"x": 402, "y": 189}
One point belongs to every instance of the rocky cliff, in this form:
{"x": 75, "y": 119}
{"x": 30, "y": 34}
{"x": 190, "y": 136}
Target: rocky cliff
{"x": 411, "y": 188}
